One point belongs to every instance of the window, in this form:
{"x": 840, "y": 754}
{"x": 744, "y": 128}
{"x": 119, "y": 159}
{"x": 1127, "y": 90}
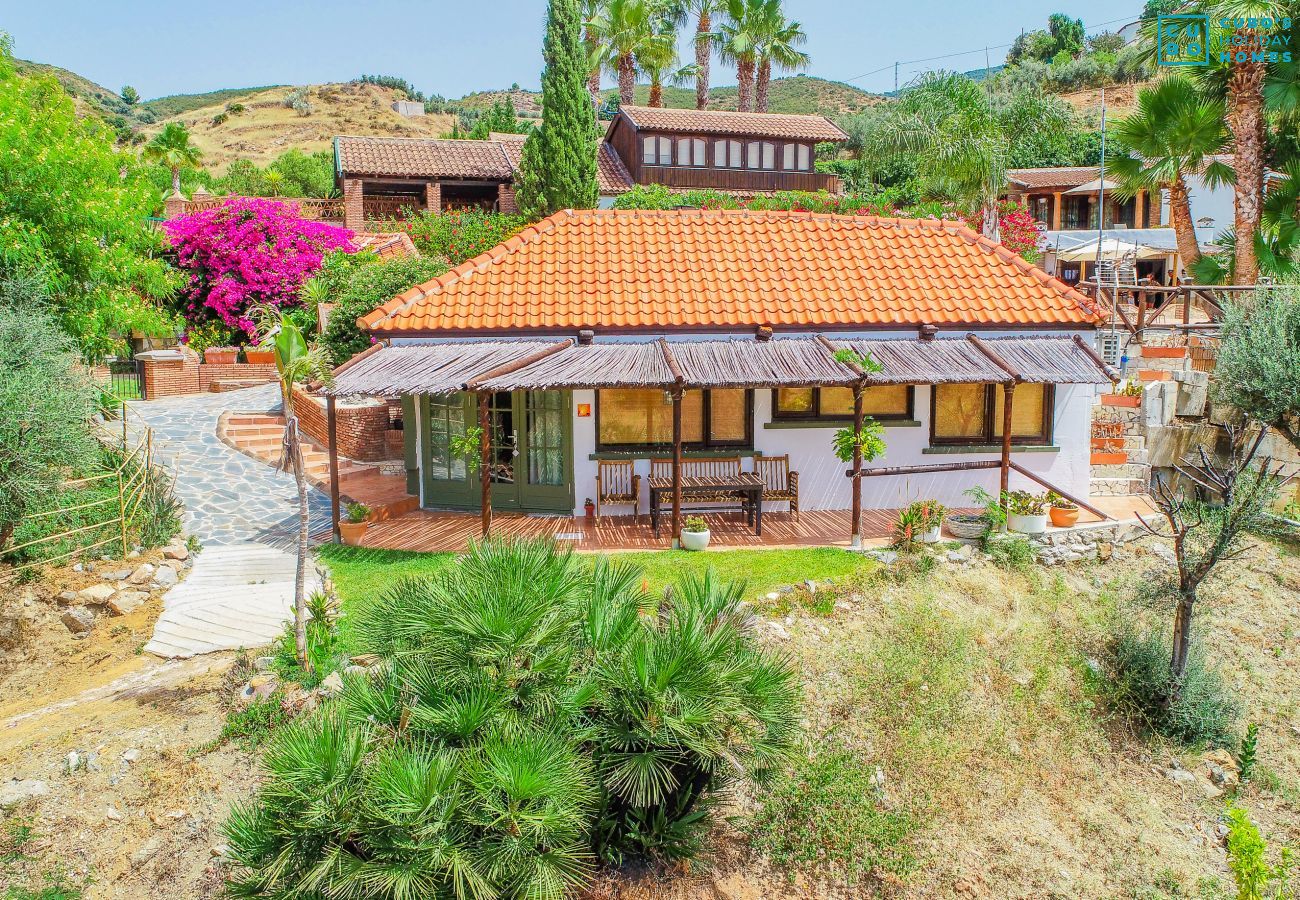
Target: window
{"x": 760, "y": 155}
{"x": 794, "y": 157}
{"x": 656, "y": 151}
{"x": 690, "y": 151}
{"x": 972, "y": 414}
{"x": 882, "y": 401}
{"x": 726, "y": 154}
{"x": 636, "y": 418}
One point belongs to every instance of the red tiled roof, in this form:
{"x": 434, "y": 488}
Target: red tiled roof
{"x": 692, "y": 269}
{"x": 611, "y": 174}
{"x": 386, "y": 244}
{"x": 1055, "y": 176}
{"x": 422, "y": 158}
{"x": 697, "y": 121}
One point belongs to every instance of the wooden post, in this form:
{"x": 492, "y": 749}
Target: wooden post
{"x": 121, "y": 510}
{"x": 1056, "y": 211}
{"x": 677, "y": 466}
{"x": 331, "y": 427}
{"x": 1004, "y": 478}
{"x": 1139, "y": 211}
{"x": 485, "y": 461}
{"x": 1142, "y": 313}
{"x": 855, "y": 537}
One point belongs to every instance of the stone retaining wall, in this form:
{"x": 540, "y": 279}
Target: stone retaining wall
{"x": 361, "y": 426}
{"x": 1094, "y": 541}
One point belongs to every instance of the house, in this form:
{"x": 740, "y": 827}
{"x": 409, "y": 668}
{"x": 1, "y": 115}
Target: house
{"x": 742, "y": 153}
{"x": 605, "y": 335}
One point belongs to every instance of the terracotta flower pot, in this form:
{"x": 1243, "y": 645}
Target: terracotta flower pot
{"x": 353, "y": 532}
{"x": 258, "y": 357}
{"x": 1121, "y": 400}
{"x": 220, "y": 356}
{"x": 1064, "y": 518}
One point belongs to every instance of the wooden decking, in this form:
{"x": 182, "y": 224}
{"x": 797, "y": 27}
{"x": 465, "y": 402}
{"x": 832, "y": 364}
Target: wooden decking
{"x": 427, "y": 531}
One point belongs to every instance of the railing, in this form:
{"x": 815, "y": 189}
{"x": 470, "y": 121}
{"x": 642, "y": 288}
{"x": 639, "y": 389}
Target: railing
{"x": 321, "y": 209}
{"x": 705, "y": 177}
{"x": 383, "y": 208}
{"x": 112, "y": 514}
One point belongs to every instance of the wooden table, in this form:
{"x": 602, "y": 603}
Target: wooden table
{"x": 747, "y": 486}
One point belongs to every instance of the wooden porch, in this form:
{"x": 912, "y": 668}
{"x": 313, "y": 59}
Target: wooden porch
{"x": 430, "y": 532}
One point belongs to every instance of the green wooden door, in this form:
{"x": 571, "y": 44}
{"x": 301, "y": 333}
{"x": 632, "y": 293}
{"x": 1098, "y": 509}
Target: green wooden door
{"x": 545, "y": 463}
{"x": 448, "y": 483}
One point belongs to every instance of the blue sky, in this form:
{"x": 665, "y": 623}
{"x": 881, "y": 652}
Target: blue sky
{"x": 452, "y": 48}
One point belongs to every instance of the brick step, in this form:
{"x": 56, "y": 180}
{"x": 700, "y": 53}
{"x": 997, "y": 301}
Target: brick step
{"x": 221, "y": 385}
{"x": 1108, "y": 458}
{"x": 254, "y": 419}
{"x": 1121, "y": 470}
{"x": 1110, "y": 487}
{"x": 1129, "y": 443}
{"x": 255, "y": 431}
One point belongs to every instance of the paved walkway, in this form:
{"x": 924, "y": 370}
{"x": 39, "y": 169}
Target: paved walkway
{"x": 239, "y": 592}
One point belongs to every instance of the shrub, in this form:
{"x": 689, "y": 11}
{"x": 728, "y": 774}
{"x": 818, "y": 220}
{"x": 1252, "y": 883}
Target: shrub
{"x": 1255, "y": 877}
{"x": 368, "y": 287}
{"x": 534, "y": 714}
{"x": 1205, "y": 713}
{"x": 1010, "y": 552}
{"x": 457, "y": 236}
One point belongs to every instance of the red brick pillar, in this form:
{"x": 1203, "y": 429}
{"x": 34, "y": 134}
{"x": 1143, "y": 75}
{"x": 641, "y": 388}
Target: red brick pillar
{"x": 354, "y": 211}
{"x": 169, "y": 372}
{"x": 433, "y": 197}
{"x": 506, "y": 199}
{"x": 174, "y": 206}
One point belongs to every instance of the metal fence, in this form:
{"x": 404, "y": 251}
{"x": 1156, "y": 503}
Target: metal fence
{"x": 126, "y": 378}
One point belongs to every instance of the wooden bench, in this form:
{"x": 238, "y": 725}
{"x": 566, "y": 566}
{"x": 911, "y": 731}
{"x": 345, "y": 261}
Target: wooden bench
{"x": 616, "y": 483}
{"x": 710, "y": 467}
{"x": 779, "y": 483}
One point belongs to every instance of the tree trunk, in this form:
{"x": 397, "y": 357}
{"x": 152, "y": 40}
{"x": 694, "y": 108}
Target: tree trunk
{"x": 703, "y": 55}
{"x": 300, "y": 575}
{"x": 176, "y": 179}
{"x": 1182, "y": 642}
{"x": 656, "y": 93}
{"x": 6, "y": 533}
{"x": 745, "y": 82}
{"x": 593, "y": 77}
{"x": 1180, "y": 210}
{"x": 1246, "y": 119}
{"x": 626, "y": 79}
{"x": 992, "y": 221}
{"x": 760, "y": 92}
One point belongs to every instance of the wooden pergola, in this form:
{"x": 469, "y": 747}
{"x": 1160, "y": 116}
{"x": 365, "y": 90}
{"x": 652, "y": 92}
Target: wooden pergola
{"x": 484, "y": 367}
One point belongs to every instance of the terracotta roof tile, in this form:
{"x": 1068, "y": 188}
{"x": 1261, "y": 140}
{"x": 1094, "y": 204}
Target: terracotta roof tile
{"x": 386, "y": 245}
{"x": 1055, "y": 176}
{"x": 778, "y": 125}
{"x": 422, "y": 158}
{"x": 611, "y": 174}
{"x": 628, "y": 270}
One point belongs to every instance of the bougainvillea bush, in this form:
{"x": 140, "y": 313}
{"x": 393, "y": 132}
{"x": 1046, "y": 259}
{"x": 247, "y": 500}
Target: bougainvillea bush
{"x": 245, "y": 253}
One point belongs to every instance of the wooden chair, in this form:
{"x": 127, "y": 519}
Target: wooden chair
{"x": 616, "y": 483}
{"x": 779, "y": 483}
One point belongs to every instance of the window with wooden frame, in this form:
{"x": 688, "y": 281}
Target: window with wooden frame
{"x": 760, "y": 155}
{"x": 972, "y": 414}
{"x": 656, "y": 150}
{"x": 795, "y": 157}
{"x": 727, "y": 154}
{"x": 881, "y": 401}
{"x": 642, "y": 419}
{"x": 690, "y": 152}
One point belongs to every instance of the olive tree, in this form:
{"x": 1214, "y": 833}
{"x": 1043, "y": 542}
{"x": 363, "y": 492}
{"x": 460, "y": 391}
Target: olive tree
{"x": 1258, "y": 367}
{"x": 47, "y": 400}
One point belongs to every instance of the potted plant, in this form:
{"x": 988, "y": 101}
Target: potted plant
{"x": 220, "y": 356}
{"x": 974, "y": 526}
{"x": 259, "y": 356}
{"x": 919, "y": 523}
{"x": 1064, "y": 513}
{"x": 1129, "y": 395}
{"x": 589, "y": 507}
{"x": 1026, "y": 512}
{"x": 354, "y": 524}
{"x": 695, "y": 533}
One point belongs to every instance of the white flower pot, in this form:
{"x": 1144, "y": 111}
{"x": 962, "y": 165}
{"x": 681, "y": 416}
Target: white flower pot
{"x": 1027, "y": 524}
{"x": 695, "y": 540}
{"x": 932, "y": 536}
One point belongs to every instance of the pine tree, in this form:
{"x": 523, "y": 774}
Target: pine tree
{"x": 558, "y": 168}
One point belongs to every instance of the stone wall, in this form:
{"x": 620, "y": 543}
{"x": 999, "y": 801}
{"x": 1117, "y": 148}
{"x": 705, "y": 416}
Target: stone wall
{"x": 1096, "y": 541}
{"x": 361, "y": 426}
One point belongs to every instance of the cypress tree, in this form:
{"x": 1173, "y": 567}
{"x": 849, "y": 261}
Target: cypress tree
{"x": 558, "y": 168}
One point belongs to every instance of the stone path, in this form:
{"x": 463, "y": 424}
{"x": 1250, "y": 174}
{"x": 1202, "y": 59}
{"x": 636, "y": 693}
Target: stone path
{"x": 239, "y": 592}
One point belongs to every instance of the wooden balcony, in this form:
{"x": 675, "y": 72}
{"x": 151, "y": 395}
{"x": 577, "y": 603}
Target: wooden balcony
{"x": 744, "y": 180}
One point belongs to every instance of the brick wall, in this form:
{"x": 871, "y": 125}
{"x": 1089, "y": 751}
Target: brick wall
{"x": 170, "y": 375}
{"x": 209, "y": 372}
{"x": 506, "y": 199}
{"x": 361, "y": 428}
{"x": 354, "y": 212}
{"x": 433, "y": 197}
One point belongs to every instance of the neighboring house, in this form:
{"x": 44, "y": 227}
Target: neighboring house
{"x": 577, "y": 338}
{"x": 741, "y": 153}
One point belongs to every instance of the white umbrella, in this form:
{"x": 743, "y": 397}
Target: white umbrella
{"x": 1111, "y": 248}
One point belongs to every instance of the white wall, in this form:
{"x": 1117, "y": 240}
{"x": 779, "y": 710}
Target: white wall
{"x": 1216, "y": 203}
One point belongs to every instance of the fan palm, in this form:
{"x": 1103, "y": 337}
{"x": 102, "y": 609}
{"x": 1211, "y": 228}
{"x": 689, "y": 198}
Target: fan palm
{"x": 626, "y": 29}
{"x": 1277, "y": 242}
{"x": 296, "y": 363}
{"x": 703, "y": 12}
{"x": 778, "y": 45}
{"x": 173, "y": 149}
{"x": 593, "y": 45}
{"x": 657, "y": 62}
{"x": 1174, "y": 131}
{"x": 738, "y": 41}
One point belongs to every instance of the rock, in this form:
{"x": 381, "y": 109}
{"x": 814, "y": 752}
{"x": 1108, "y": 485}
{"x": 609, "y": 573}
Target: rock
{"x": 840, "y": 604}
{"x": 773, "y": 596}
{"x": 366, "y": 660}
{"x": 1180, "y": 776}
{"x": 126, "y": 602}
{"x": 778, "y": 631}
{"x": 134, "y": 554}
{"x": 165, "y": 576}
{"x": 145, "y": 853}
{"x": 96, "y": 593}
{"x": 91, "y": 762}
{"x": 72, "y": 763}
{"x": 79, "y": 620}
{"x": 332, "y": 684}
{"x": 1210, "y": 791}
{"x": 67, "y": 597}
{"x": 78, "y": 567}
{"x": 20, "y": 790}
{"x": 143, "y": 574}
{"x": 220, "y": 851}
{"x": 131, "y": 756}
{"x": 117, "y": 575}
{"x": 1224, "y": 760}
{"x": 887, "y": 557}
{"x": 176, "y": 551}
{"x": 810, "y": 585}
{"x": 259, "y": 687}
{"x": 264, "y": 663}
{"x": 355, "y": 670}
{"x": 112, "y": 814}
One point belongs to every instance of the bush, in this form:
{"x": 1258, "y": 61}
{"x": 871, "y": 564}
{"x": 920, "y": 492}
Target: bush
{"x": 366, "y": 288}
{"x": 457, "y": 236}
{"x": 1010, "y": 552}
{"x": 1205, "y": 713}
{"x": 534, "y": 714}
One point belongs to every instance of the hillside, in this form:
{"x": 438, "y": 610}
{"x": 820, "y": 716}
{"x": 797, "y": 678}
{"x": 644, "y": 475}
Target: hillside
{"x": 261, "y": 125}
{"x": 90, "y": 97}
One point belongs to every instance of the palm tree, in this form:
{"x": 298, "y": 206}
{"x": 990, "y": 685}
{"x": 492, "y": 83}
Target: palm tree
{"x": 296, "y": 363}
{"x": 1175, "y": 131}
{"x": 703, "y": 11}
{"x": 779, "y": 44}
{"x": 626, "y": 29}
{"x": 173, "y": 149}
{"x": 589, "y": 10}
{"x": 738, "y": 39}
{"x": 657, "y": 61}
{"x": 960, "y": 146}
